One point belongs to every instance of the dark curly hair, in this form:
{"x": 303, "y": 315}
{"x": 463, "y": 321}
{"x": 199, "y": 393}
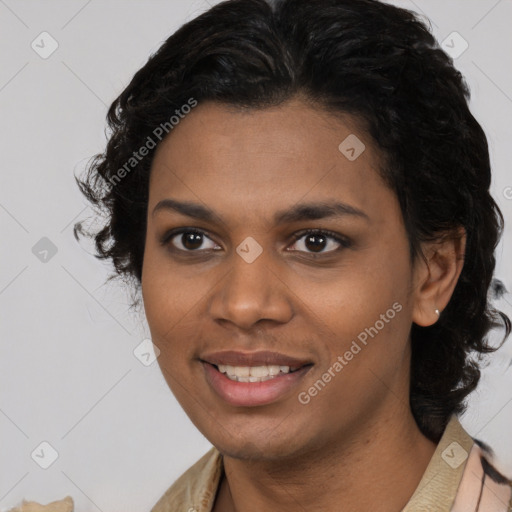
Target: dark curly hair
{"x": 374, "y": 61}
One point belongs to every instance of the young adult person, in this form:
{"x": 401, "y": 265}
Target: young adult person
{"x": 301, "y": 194}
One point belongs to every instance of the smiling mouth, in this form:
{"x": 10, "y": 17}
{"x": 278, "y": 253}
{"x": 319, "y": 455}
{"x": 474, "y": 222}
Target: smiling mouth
{"x": 242, "y": 384}
{"x": 255, "y": 373}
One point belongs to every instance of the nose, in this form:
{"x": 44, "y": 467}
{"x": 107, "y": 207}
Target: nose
{"x": 251, "y": 293}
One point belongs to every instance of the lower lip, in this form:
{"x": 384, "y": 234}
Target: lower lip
{"x": 251, "y": 394}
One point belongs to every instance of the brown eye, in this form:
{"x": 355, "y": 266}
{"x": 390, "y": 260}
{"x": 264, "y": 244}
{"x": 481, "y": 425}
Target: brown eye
{"x": 315, "y": 243}
{"x": 319, "y": 242}
{"x": 189, "y": 240}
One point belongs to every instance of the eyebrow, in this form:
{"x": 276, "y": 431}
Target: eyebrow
{"x": 298, "y": 212}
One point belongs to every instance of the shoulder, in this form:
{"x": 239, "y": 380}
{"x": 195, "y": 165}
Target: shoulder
{"x": 487, "y": 459}
{"x": 196, "y": 488}
{"x": 461, "y": 476}
{"x": 483, "y": 487}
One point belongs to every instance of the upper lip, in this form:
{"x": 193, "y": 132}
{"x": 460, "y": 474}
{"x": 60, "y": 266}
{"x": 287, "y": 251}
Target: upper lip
{"x": 261, "y": 358}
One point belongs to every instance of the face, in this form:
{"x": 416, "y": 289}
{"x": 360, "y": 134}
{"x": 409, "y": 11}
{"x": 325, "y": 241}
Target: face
{"x": 271, "y": 249}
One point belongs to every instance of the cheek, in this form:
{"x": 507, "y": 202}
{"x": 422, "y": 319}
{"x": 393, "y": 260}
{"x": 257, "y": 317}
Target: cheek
{"x": 166, "y": 303}
{"x": 366, "y": 315}
{"x": 167, "y": 291}
{"x": 355, "y": 296}
{"x": 173, "y": 331}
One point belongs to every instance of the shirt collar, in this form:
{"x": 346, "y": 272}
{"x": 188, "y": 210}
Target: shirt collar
{"x": 196, "y": 489}
{"x": 438, "y": 486}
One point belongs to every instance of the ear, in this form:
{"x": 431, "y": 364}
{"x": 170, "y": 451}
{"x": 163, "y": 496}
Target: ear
{"x": 436, "y": 275}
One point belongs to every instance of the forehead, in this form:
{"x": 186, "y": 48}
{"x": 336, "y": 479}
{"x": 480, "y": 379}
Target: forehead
{"x": 259, "y": 160}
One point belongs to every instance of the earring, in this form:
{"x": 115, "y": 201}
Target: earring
{"x": 437, "y": 312}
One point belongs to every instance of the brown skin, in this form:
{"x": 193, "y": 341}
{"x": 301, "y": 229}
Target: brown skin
{"x": 350, "y": 445}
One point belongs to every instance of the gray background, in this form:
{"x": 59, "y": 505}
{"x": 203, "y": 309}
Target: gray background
{"x": 68, "y": 373}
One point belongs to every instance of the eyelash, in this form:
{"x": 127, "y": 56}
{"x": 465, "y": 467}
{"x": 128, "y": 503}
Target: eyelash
{"x": 343, "y": 242}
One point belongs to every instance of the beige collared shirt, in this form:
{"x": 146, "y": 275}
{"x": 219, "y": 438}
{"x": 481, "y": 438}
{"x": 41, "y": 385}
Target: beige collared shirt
{"x": 459, "y": 478}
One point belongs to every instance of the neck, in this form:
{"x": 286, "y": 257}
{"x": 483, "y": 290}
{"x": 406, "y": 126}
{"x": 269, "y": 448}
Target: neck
{"x": 359, "y": 472}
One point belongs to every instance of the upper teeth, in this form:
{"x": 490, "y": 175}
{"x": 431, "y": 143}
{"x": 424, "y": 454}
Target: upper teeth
{"x": 252, "y": 373}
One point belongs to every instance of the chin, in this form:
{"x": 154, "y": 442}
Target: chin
{"x": 258, "y": 445}
{"x": 256, "y": 451}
